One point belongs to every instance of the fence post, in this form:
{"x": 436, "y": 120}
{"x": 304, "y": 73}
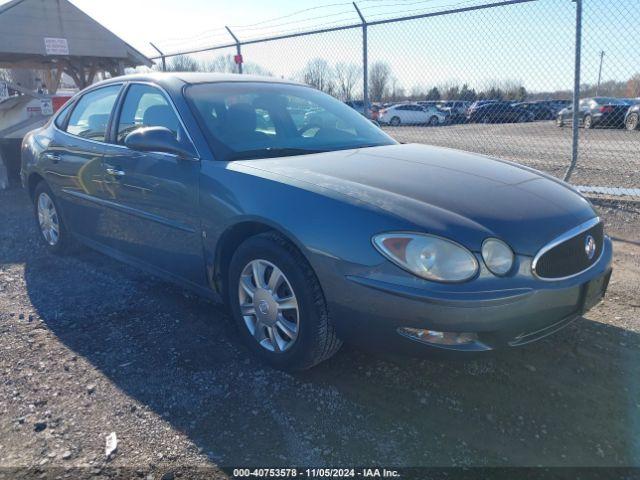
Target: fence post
{"x": 238, "y": 58}
{"x": 576, "y": 93}
{"x": 164, "y": 60}
{"x": 365, "y": 65}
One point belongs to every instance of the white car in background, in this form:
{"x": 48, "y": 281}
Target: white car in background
{"x": 412, "y": 114}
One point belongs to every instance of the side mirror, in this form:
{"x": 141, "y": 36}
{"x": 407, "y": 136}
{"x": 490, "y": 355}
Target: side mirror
{"x": 156, "y": 139}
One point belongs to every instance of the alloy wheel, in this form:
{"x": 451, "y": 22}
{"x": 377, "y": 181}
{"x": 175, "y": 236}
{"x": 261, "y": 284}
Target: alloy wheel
{"x": 48, "y": 219}
{"x": 632, "y": 122}
{"x": 268, "y": 306}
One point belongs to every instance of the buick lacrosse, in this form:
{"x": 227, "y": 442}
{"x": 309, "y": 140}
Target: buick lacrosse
{"x": 309, "y": 222}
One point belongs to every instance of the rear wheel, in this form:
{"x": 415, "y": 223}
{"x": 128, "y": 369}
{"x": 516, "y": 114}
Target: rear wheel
{"x": 433, "y": 121}
{"x": 632, "y": 122}
{"x": 485, "y": 119}
{"x": 588, "y": 122}
{"x": 278, "y": 305}
{"x": 53, "y": 231}
{"x": 395, "y": 121}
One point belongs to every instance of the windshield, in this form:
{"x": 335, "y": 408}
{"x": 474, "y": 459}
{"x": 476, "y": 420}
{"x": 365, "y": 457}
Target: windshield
{"x": 256, "y": 120}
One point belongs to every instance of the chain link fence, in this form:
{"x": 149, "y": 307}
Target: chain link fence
{"x": 493, "y": 78}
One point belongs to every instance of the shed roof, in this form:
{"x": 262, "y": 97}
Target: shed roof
{"x": 24, "y": 25}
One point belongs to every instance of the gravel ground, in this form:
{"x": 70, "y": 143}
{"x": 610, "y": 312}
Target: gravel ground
{"x": 608, "y": 157}
{"x": 90, "y": 346}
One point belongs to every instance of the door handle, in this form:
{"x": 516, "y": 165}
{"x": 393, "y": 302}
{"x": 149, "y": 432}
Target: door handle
{"x": 115, "y": 172}
{"x": 53, "y": 157}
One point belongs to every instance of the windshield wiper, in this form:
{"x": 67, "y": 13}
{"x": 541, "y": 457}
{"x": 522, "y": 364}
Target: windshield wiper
{"x": 271, "y": 152}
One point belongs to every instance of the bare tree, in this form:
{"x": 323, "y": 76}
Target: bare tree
{"x": 347, "y": 76}
{"x": 318, "y": 74}
{"x": 379, "y": 78}
{"x": 183, "y": 63}
{"x": 227, "y": 64}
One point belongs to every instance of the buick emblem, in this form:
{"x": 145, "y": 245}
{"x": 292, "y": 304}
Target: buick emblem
{"x": 263, "y": 306}
{"x": 589, "y": 247}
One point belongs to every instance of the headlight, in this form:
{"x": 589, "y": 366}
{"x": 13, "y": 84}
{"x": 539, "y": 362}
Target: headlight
{"x": 428, "y": 256}
{"x": 497, "y": 256}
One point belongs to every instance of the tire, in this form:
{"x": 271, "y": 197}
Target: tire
{"x": 485, "y": 119}
{"x": 262, "y": 327}
{"x": 52, "y": 230}
{"x": 632, "y": 122}
{"x": 559, "y": 121}
{"x": 394, "y": 122}
{"x": 588, "y": 122}
{"x": 522, "y": 119}
{"x": 433, "y": 121}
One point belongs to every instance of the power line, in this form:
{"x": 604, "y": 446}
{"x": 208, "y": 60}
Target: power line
{"x": 291, "y": 14}
{"x": 351, "y": 11}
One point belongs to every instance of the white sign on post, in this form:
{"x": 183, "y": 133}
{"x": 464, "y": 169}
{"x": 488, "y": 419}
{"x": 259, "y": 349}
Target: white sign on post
{"x": 46, "y": 106}
{"x": 56, "y": 46}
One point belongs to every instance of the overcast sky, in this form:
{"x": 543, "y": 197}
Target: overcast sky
{"x": 532, "y": 42}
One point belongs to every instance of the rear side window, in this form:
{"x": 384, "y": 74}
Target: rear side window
{"x": 146, "y": 106}
{"x": 90, "y": 117}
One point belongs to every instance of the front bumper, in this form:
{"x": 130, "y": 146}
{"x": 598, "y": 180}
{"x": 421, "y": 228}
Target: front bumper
{"x": 369, "y": 310}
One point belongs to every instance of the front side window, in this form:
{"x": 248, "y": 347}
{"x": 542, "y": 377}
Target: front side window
{"x": 146, "y": 106}
{"x": 90, "y": 116}
{"x": 255, "y": 120}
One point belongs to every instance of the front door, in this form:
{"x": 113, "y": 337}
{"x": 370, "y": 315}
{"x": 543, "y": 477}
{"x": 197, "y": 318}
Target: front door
{"x": 154, "y": 195}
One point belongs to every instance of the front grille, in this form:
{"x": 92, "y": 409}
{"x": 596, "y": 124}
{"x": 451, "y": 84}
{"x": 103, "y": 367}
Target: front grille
{"x": 569, "y": 257}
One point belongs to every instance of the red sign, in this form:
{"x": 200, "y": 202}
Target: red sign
{"x": 237, "y": 59}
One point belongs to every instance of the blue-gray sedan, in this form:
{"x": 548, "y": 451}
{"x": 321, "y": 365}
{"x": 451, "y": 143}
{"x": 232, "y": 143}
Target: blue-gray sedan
{"x": 309, "y": 222}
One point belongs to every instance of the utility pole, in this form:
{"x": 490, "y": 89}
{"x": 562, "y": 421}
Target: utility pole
{"x": 600, "y": 72}
{"x": 365, "y": 65}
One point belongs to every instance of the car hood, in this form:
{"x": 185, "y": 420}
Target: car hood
{"x": 460, "y": 195}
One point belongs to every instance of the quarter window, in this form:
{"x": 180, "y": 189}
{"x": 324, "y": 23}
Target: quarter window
{"x": 90, "y": 117}
{"x": 146, "y": 106}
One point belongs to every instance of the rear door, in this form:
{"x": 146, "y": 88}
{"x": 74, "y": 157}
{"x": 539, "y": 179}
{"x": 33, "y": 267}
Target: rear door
{"x": 73, "y": 160}
{"x": 154, "y": 195}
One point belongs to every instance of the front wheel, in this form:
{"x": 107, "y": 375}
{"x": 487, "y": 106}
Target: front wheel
{"x": 588, "y": 122}
{"x": 53, "y": 231}
{"x": 278, "y": 305}
{"x": 395, "y": 121}
{"x": 559, "y": 121}
{"x": 632, "y": 122}
{"x": 433, "y": 121}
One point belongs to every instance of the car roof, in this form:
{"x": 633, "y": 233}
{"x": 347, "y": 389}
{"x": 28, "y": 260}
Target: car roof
{"x": 171, "y": 79}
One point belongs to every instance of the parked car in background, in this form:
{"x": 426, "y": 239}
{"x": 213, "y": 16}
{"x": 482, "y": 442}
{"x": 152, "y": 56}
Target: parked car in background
{"x": 357, "y": 105}
{"x": 428, "y": 103}
{"x": 539, "y": 110}
{"x": 557, "y": 105}
{"x": 498, "y": 112}
{"x": 632, "y": 117}
{"x": 596, "y": 112}
{"x": 412, "y": 114}
{"x": 456, "y": 110}
{"x": 313, "y": 235}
